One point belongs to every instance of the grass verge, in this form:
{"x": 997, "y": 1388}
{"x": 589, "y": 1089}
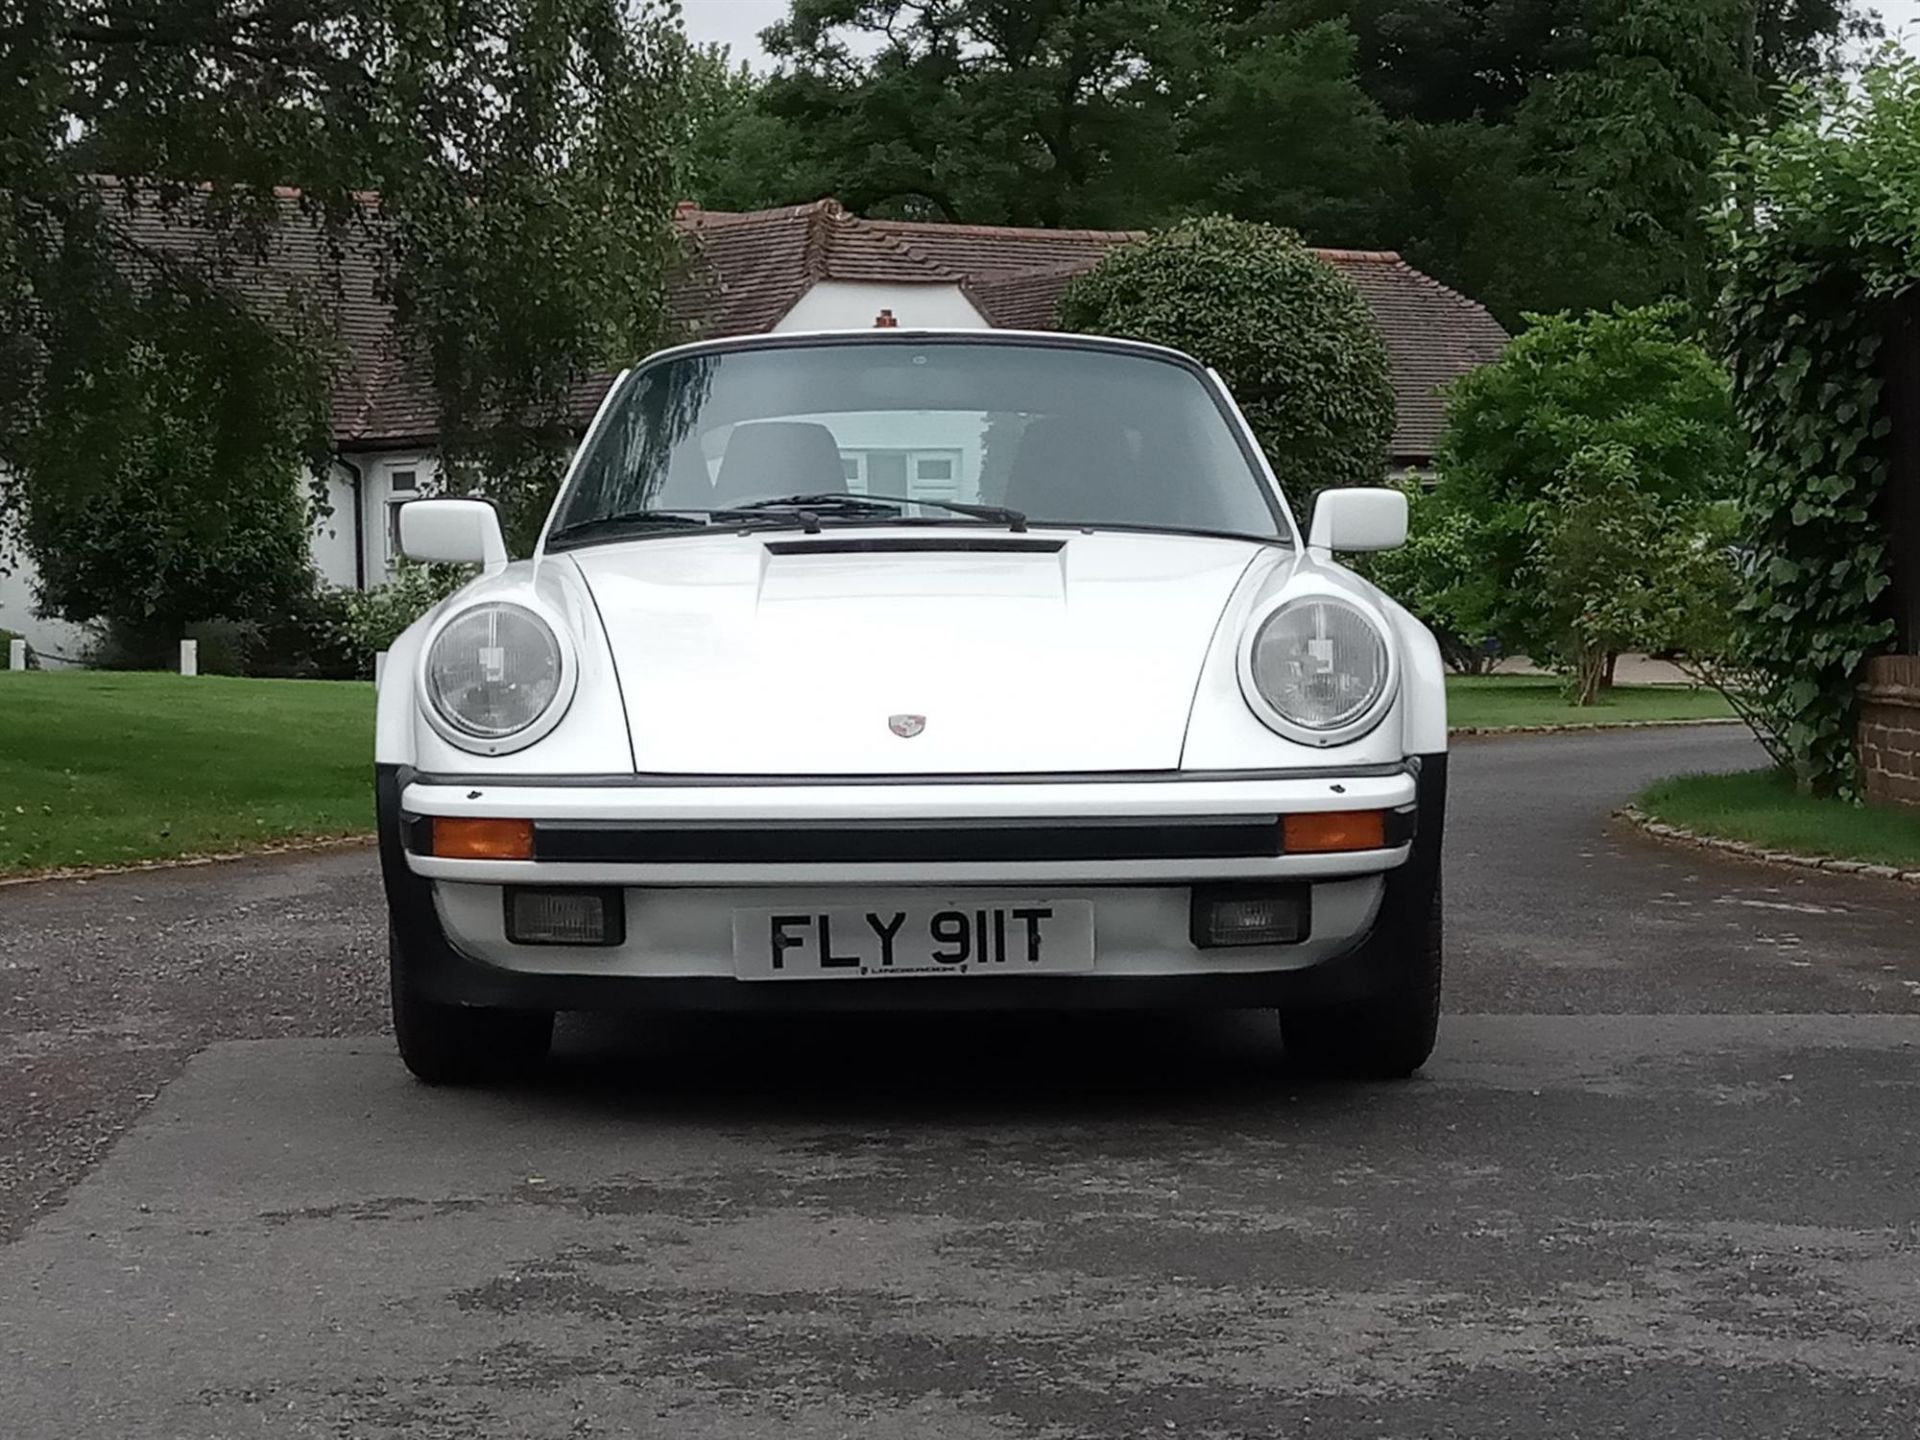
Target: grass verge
{"x": 104, "y": 769}
{"x": 1488, "y": 701}
{"x": 1762, "y": 808}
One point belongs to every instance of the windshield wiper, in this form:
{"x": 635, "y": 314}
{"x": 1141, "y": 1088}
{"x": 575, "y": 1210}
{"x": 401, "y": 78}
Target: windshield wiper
{"x": 633, "y": 520}
{"x": 871, "y": 505}
{"x": 802, "y": 510}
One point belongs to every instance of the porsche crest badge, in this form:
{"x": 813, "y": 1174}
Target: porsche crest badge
{"x": 906, "y": 726}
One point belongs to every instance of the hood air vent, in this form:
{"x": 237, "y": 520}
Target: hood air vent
{"x": 918, "y": 545}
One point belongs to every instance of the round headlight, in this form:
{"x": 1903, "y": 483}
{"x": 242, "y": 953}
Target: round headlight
{"x": 1321, "y": 665}
{"x": 493, "y": 671}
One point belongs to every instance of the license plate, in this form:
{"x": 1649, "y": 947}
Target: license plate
{"x": 993, "y": 937}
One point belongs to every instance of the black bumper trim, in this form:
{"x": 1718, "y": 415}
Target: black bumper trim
{"x": 761, "y": 843}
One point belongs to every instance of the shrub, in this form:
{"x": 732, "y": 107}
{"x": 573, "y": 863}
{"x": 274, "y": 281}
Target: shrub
{"x": 227, "y": 647}
{"x": 1438, "y": 576}
{"x": 1615, "y": 382}
{"x": 1291, "y": 337}
{"x": 374, "y": 618}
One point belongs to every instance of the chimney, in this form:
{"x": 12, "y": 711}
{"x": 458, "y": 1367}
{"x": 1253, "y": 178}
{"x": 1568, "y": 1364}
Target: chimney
{"x": 885, "y": 321}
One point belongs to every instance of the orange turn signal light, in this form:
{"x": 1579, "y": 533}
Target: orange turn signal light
{"x": 456, "y": 839}
{"x": 1334, "y": 832}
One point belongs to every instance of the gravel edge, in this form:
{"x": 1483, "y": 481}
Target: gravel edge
{"x": 1786, "y": 859}
{"x": 188, "y": 862}
{"x": 1470, "y": 732}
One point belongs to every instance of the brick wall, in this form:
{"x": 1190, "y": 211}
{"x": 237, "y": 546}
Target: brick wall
{"x": 1890, "y": 729}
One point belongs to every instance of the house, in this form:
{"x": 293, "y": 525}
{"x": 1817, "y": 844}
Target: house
{"x": 797, "y": 268}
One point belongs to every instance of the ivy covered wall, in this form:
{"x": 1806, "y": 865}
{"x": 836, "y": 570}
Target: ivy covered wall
{"x": 1819, "y": 239}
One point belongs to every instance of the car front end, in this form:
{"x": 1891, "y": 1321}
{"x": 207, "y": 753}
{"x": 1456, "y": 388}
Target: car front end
{"x": 766, "y": 762}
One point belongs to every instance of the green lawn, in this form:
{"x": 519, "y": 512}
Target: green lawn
{"x": 1481, "y": 701}
{"x": 1761, "y": 807}
{"x": 97, "y": 768}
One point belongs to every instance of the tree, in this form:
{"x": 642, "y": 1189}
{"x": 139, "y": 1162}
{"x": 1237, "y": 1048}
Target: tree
{"x": 1285, "y": 135}
{"x": 1622, "y": 380}
{"x": 1020, "y": 112}
{"x": 1622, "y": 567}
{"x": 520, "y": 153}
{"x": 733, "y": 154}
{"x": 1290, "y": 335}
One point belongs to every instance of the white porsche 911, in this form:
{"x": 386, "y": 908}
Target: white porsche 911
{"x": 914, "y": 669}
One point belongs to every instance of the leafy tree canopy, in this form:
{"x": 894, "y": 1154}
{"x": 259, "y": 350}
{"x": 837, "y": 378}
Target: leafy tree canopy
{"x": 1538, "y": 154}
{"x": 1288, "y": 333}
{"x": 521, "y": 153}
{"x": 1621, "y": 382}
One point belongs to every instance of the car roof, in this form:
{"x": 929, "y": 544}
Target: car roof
{"x": 904, "y": 335}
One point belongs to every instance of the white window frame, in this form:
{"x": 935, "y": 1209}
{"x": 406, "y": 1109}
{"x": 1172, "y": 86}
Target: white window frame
{"x": 392, "y": 497}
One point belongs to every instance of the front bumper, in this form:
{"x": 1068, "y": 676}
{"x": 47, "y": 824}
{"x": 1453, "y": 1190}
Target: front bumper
{"x": 685, "y": 858}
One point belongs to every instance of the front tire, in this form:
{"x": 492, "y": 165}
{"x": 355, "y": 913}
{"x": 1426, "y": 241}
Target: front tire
{"x": 1388, "y": 1038}
{"x": 461, "y": 1044}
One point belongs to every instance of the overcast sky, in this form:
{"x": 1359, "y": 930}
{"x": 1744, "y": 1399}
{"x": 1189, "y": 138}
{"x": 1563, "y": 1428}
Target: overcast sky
{"x": 738, "y": 23}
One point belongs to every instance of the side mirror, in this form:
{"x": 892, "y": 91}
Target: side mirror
{"x": 453, "y": 532}
{"x": 1369, "y": 518}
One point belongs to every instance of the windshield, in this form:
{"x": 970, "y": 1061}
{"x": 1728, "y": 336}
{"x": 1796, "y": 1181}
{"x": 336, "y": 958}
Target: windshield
{"x": 1062, "y": 434}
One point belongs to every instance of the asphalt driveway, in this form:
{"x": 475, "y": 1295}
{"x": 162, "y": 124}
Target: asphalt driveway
{"x": 1659, "y": 1179}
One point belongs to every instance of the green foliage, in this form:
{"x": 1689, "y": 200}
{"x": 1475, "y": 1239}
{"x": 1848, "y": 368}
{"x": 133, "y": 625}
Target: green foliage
{"x": 1823, "y": 237}
{"x": 1622, "y": 567}
{"x": 1285, "y": 135}
{"x": 1438, "y": 576}
{"x": 1626, "y": 381}
{"x": 1538, "y": 154}
{"x": 1292, "y": 338}
{"x": 1023, "y": 112}
{"x": 521, "y": 156}
{"x": 163, "y": 464}
{"x": 374, "y": 618}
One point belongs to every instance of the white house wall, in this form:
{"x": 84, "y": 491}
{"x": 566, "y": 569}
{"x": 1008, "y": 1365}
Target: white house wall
{"x": 852, "y": 305}
{"x": 333, "y": 533}
{"x": 54, "y": 639}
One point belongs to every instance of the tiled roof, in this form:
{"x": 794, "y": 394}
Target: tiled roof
{"x": 745, "y": 271}
{"x": 750, "y": 269}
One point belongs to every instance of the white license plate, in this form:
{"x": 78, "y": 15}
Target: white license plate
{"x": 979, "y": 937}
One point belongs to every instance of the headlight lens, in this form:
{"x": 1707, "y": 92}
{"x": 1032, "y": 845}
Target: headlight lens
{"x": 493, "y": 671}
{"x": 1320, "y": 663}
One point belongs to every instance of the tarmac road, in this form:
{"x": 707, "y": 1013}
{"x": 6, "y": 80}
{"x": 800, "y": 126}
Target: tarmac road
{"x": 1661, "y": 1179}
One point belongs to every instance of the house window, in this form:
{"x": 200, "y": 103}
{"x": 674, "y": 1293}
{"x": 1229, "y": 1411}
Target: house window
{"x": 402, "y": 486}
{"x": 918, "y": 474}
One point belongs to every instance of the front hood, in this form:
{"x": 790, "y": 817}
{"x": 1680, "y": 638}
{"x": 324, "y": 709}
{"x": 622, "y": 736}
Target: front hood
{"x": 781, "y": 654}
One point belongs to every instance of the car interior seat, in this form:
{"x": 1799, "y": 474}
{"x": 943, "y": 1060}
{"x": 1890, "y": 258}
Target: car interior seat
{"x": 766, "y": 459}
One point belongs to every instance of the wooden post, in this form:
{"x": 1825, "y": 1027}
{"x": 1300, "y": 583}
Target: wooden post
{"x": 189, "y": 657}
{"x": 16, "y": 654}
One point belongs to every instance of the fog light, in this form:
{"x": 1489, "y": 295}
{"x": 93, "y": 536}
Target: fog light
{"x": 1250, "y": 916}
{"x": 565, "y": 917}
